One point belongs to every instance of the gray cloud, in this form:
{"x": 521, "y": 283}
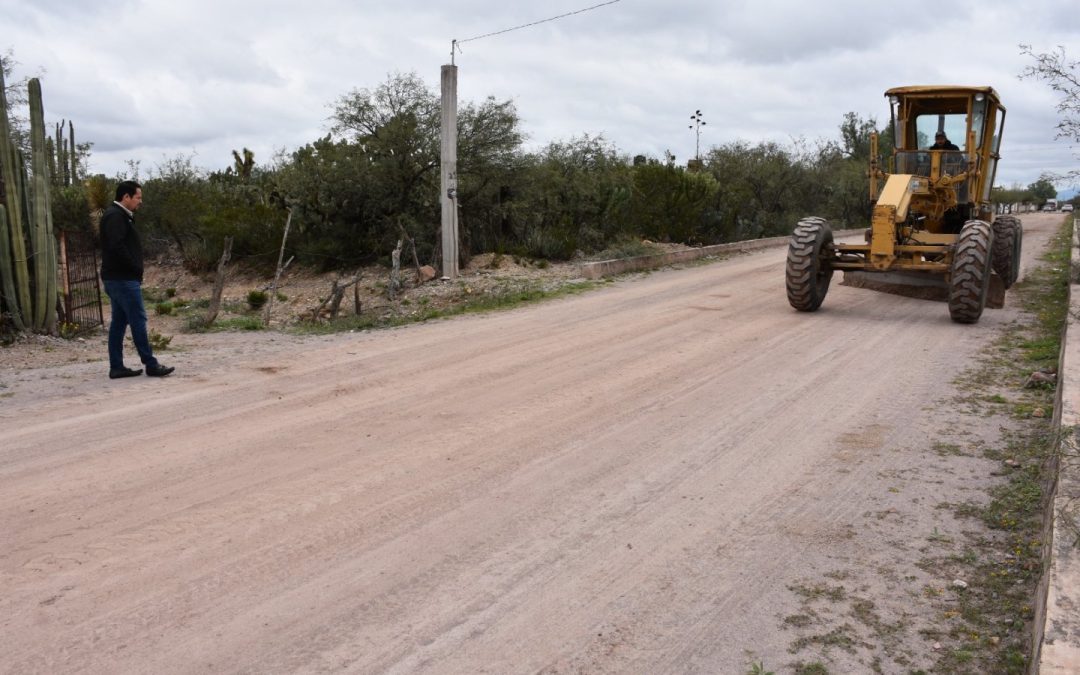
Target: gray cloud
{"x": 144, "y": 80}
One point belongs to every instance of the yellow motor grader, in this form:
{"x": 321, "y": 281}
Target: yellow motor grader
{"x": 931, "y": 222}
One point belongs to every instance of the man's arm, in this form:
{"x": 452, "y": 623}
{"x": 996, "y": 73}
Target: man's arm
{"x": 114, "y": 241}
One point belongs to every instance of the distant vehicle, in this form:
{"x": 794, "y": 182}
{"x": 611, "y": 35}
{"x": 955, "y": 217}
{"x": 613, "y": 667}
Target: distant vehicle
{"x": 1066, "y": 208}
{"x": 1048, "y": 207}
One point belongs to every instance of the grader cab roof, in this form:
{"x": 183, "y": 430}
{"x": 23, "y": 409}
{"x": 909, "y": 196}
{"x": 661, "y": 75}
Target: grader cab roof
{"x": 943, "y": 91}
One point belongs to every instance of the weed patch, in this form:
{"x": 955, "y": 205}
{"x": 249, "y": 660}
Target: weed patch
{"x": 986, "y": 623}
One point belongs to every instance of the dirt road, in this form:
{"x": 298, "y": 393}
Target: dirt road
{"x": 647, "y": 478}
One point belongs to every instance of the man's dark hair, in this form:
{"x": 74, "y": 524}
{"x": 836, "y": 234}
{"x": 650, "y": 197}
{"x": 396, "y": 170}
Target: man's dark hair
{"x": 126, "y": 188}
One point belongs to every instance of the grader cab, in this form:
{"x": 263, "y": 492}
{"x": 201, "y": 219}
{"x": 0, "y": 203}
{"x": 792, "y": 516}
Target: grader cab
{"x": 932, "y": 222}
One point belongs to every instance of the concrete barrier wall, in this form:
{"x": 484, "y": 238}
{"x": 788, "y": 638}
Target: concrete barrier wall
{"x": 607, "y": 268}
{"x": 1057, "y": 604}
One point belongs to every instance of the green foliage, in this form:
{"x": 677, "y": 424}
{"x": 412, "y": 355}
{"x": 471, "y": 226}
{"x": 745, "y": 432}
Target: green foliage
{"x": 758, "y": 668}
{"x": 669, "y": 203}
{"x": 237, "y": 323}
{"x": 256, "y": 299}
{"x": 159, "y": 342}
{"x": 374, "y": 179}
{"x": 67, "y": 330}
{"x": 98, "y": 192}
{"x": 1013, "y": 195}
{"x": 194, "y": 211}
{"x": 71, "y": 208}
{"x": 569, "y": 198}
{"x": 1042, "y": 189}
{"x": 765, "y": 189}
{"x": 163, "y": 308}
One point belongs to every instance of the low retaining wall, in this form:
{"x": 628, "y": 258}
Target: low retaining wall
{"x": 1057, "y": 603}
{"x": 607, "y": 268}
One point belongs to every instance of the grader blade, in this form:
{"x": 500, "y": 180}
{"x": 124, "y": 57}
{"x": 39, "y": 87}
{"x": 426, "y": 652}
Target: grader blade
{"x": 908, "y": 284}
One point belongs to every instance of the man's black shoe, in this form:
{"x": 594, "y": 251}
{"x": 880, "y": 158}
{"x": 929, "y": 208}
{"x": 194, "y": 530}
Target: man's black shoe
{"x": 159, "y": 370}
{"x": 117, "y": 373}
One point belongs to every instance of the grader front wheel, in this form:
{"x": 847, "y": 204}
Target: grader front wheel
{"x": 970, "y": 278}
{"x": 809, "y": 270}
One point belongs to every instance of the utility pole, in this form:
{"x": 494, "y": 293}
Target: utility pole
{"x": 448, "y": 170}
{"x": 698, "y": 122}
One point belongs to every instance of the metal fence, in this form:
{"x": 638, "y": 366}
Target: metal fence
{"x": 82, "y": 310}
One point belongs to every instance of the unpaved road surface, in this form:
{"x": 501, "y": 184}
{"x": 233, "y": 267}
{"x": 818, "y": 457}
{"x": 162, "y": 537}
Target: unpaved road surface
{"x": 637, "y": 479}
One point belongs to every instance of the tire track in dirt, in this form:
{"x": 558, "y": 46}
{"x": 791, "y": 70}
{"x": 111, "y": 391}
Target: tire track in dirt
{"x": 628, "y": 480}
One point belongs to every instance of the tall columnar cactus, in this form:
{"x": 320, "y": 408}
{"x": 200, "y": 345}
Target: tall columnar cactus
{"x": 7, "y": 275}
{"x": 17, "y": 294}
{"x": 62, "y": 156}
{"x": 26, "y": 211}
{"x": 51, "y": 157}
{"x": 42, "y": 239}
{"x": 73, "y": 156}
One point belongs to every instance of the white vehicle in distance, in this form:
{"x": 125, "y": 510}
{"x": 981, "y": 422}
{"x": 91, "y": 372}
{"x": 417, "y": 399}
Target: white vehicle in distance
{"x": 1066, "y": 208}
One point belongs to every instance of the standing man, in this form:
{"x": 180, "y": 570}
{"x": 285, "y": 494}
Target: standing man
{"x": 122, "y": 272}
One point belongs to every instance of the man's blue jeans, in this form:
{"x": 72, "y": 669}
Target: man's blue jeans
{"x": 127, "y": 310}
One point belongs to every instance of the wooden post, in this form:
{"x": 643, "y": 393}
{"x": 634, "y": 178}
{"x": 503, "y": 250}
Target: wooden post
{"x": 219, "y": 284}
{"x": 65, "y": 278}
{"x": 277, "y": 274}
{"x": 395, "y": 272}
{"x": 448, "y": 174}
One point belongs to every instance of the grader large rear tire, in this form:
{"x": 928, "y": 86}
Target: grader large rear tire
{"x": 1008, "y": 238}
{"x": 970, "y": 278}
{"x": 809, "y": 269}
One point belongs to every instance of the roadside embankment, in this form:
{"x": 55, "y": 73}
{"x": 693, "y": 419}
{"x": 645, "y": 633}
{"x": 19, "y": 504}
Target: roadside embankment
{"x": 1057, "y": 608}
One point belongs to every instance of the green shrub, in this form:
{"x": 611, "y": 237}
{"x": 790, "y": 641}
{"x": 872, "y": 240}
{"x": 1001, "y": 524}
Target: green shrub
{"x": 256, "y": 299}
{"x": 164, "y": 308}
{"x": 159, "y": 342}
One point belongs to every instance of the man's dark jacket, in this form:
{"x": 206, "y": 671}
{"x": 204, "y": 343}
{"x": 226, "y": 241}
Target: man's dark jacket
{"x": 121, "y": 250}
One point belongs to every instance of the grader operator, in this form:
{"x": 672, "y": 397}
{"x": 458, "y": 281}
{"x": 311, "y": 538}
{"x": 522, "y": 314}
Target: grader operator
{"x": 932, "y": 221}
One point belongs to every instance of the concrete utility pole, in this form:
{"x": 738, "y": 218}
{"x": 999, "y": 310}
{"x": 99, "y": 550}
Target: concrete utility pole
{"x": 448, "y": 174}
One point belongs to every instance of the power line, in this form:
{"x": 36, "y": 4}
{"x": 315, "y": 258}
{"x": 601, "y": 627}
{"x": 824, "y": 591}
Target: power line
{"x": 454, "y": 44}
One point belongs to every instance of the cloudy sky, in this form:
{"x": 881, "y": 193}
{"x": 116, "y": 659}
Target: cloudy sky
{"x": 148, "y": 80}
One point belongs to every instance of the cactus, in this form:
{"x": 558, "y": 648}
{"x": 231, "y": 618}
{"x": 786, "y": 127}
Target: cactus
{"x": 26, "y": 211}
{"x": 7, "y": 277}
{"x": 73, "y": 156}
{"x": 17, "y": 296}
{"x": 50, "y": 156}
{"x": 42, "y": 239}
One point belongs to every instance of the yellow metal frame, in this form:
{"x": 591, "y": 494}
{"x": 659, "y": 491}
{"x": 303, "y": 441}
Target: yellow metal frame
{"x": 896, "y": 239}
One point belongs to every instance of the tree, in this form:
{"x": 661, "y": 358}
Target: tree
{"x": 16, "y": 94}
{"x": 1012, "y": 195}
{"x": 396, "y": 127}
{"x": 1063, "y": 76}
{"x": 1043, "y": 189}
{"x": 569, "y": 197}
{"x": 338, "y": 200}
{"x": 855, "y": 135}
{"x": 669, "y": 203}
